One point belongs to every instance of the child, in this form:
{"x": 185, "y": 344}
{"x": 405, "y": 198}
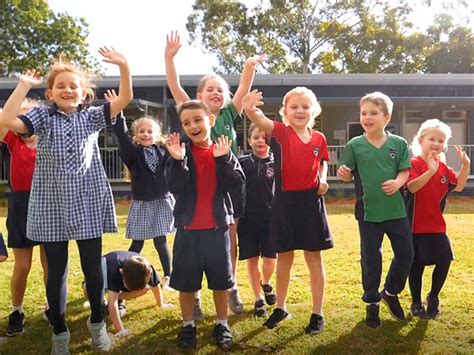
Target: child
{"x": 429, "y": 182}
{"x": 202, "y": 173}
{"x": 253, "y": 226}
{"x": 71, "y": 198}
{"x": 23, "y": 155}
{"x": 214, "y": 91}
{"x": 379, "y": 162}
{"x": 151, "y": 212}
{"x": 127, "y": 275}
{"x": 298, "y": 216}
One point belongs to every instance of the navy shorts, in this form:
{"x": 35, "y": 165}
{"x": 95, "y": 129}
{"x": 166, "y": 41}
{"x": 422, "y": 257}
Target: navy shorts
{"x": 254, "y": 239}
{"x": 432, "y": 249}
{"x": 198, "y": 252}
{"x": 16, "y": 220}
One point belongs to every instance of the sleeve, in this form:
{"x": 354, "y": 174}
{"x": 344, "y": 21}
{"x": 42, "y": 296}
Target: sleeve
{"x": 177, "y": 174}
{"x": 229, "y": 172}
{"x": 404, "y": 162}
{"x": 126, "y": 146}
{"x": 452, "y": 177}
{"x": 10, "y": 139}
{"x": 278, "y": 131}
{"x": 415, "y": 170}
{"x": 36, "y": 120}
{"x": 99, "y": 116}
{"x": 154, "y": 279}
{"x": 324, "y": 148}
{"x": 232, "y": 112}
{"x": 347, "y": 157}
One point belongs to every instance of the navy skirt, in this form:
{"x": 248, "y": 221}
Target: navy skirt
{"x": 431, "y": 249}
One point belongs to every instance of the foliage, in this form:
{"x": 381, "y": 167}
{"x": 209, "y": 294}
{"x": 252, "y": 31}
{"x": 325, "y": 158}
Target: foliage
{"x": 31, "y": 35}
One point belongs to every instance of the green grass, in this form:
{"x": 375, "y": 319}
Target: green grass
{"x": 154, "y": 330}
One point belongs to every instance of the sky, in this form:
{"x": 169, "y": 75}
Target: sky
{"x": 138, "y": 29}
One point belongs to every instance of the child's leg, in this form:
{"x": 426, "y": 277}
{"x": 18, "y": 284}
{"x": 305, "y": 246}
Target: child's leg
{"x": 233, "y": 248}
{"x": 268, "y": 267}
{"x": 136, "y": 246}
{"x": 415, "y": 281}
{"x": 284, "y": 264}
{"x": 440, "y": 274}
{"x": 56, "y": 289}
{"x": 164, "y": 253}
{"x": 221, "y": 301}
{"x": 314, "y": 261}
{"x": 44, "y": 264}
{"x": 21, "y": 269}
{"x": 90, "y": 251}
{"x": 186, "y": 301}
{"x": 254, "y": 276}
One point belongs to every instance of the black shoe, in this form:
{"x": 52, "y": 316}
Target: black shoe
{"x": 372, "y": 318}
{"x": 432, "y": 308}
{"x": 270, "y": 296}
{"x": 393, "y": 305}
{"x": 277, "y": 316}
{"x": 417, "y": 310}
{"x": 187, "y": 337}
{"x": 223, "y": 337}
{"x": 16, "y": 321}
{"x": 316, "y": 324}
{"x": 260, "y": 310}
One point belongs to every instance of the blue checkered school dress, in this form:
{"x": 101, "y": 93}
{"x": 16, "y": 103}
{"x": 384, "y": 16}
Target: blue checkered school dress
{"x": 71, "y": 198}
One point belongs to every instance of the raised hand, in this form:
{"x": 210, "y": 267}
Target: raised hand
{"x": 173, "y": 44}
{"x": 31, "y": 78}
{"x": 175, "y": 148}
{"x": 433, "y": 162}
{"x": 111, "y": 56}
{"x": 252, "y": 101}
{"x": 462, "y": 155}
{"x": 222, "y": 146}
{"x": 344, "y": 173}
{"x": 110, "y": 95}
{"x": 256, "y": 59}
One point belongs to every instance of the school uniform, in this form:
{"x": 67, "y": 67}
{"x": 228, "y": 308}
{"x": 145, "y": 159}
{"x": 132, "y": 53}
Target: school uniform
{"x": 378, "y": 213}
{"x": 253, "y": 226}
{"x": 298, "y": 218}
{"x": 21, "y": 174}
{"x": 151, "y": 210}
{"x": 202, "y": 214}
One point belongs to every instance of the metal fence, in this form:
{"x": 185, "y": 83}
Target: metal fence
{"x": 114, "y": 167}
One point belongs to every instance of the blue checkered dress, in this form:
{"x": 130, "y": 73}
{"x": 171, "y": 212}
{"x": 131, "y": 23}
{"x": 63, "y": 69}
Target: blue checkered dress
{"x": 71, "y": 198}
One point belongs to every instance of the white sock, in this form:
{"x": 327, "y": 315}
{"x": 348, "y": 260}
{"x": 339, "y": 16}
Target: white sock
{"x": 17, "y": 308}
{"x": 197, "y": 294}
{"x": 191, "y": 322}
{"x": 259, "y": 298}
{"x": 389, "y": 294}
{"x": 223, "y": 322}
{"x": 233, "y": 288}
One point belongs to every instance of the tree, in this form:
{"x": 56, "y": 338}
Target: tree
{"x": 31, "y": 35}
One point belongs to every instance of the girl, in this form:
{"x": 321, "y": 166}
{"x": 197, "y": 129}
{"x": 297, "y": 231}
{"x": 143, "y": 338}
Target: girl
{"x": 71, "y": 198}
{"x": 151, "y": 212}
{"x": 214, "y": 91}
{"x": 429, "y": 182}
{"x": 23, "y": 155}
{"x": 298, "y": 217}
{"x": 253, "y": 227}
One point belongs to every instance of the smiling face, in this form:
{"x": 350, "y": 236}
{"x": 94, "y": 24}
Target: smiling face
{"x": 298, "y": 111}
{"x": 146, "y": 132}
{"x": 66, "y": 91}
{"x": 258, "y": 143}
{"x": 197, "y": 125}
{"x": 372, "y": 118}
{"x": 433, "y": 140}
{"x": 214, "y": 93}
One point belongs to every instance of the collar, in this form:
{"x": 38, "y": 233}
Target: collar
{"x": 53, "y": 108}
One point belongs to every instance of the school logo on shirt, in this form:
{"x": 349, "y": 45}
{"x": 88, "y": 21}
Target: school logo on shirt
{"x": 444, "y": 179}
{"x": 227, "y": 126}
{"x": 316, "y": 151}
{"x": 393, "y": 153}
{"x": 269, "y": 172}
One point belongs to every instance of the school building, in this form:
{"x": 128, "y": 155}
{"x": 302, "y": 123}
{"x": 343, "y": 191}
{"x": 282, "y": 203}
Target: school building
{"x": 417, "y": 97}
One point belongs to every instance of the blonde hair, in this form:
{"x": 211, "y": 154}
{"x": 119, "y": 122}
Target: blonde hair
{"x": 433, "y": 123}
{"x": 301, "y": 90}
{"x": 225, "y": 86}
{"x": 62, "y": 65}
{"x": 379, "y": 99}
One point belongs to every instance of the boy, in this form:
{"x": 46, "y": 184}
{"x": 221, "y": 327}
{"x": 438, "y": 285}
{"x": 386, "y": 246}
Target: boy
{"x": 201, "y": 173}
{"x": 380, "y": 163}
{"x": 127, "y": 275}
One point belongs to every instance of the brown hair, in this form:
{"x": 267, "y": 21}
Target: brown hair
{"x": 225, "y": 85}
{"x": 136, "y": 273}
{"x": 379, "y": 99}
{"x": 193, "y": 105}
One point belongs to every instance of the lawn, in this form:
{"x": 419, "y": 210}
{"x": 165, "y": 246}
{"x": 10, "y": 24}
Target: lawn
{"x": 154, "y": 329}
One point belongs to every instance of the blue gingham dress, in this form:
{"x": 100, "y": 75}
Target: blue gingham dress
{"x": 71, "y": 198}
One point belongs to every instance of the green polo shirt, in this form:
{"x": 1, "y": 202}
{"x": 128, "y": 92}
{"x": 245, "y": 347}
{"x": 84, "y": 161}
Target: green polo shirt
{"x": 225, "y": 125}
{"x": 374, "y": 166}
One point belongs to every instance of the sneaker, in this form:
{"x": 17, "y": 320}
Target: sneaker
{"x": 260, "y": 310}
{"x": 187, "y": 337}
{"x": 277, "y": 316}
{"x": 166, "y": 284}
{"x": 60, "y": 343}
{"x": 16, "y": 321}
{"x": 235, "y": 302}
{"x": 197, "y": 311}
{"x": 270, "y": 296}
{"x": 100, "y": 338}
{"x": 393, "y": 305}
{"x": 432, "y": 308}
{"x": 223, "y": 337}
{"x": 316, "y": 324}
{"x": 372, "y": 318}
{"x": 121, "y": 307}
{"x": 418, "y": 310}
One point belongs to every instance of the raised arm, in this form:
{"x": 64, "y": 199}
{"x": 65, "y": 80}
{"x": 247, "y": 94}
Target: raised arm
{"x": 3, "y": 130}
{"x": 172, "y": 46}
{"x": 9, "y": 116}
{"x": 246, "y": 80}
{"x": 251, "y": 103}
{"x": 125, "y": 87}
{"x": 464, "y": 172}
